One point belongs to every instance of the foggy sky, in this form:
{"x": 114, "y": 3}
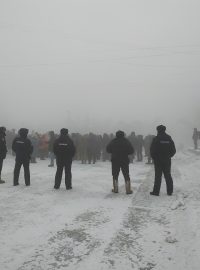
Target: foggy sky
{"x": 100, "y": 65}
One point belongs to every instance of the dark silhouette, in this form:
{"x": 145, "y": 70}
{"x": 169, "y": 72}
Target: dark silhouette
{"x": 23, "y": 149}
{"x": 3, "y": 150}
{"x": 162, "y": 150}
{"x": 195, "y": 138}
{"x": 140, "y": 144}
{"x": 120, "y": 148}
{"x": 64, "y": 151}
{"x": 50, "y": 148}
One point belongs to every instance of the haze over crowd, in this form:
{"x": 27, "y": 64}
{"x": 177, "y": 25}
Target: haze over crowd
{"x": 100, "y": 65}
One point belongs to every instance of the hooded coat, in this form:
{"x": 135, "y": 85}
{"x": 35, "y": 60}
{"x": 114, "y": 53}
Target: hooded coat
{"x": 120, "y": 148}
{"x": 22, "y": 145}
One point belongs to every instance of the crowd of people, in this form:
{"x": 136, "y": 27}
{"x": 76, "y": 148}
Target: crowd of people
{"x": 89, "y": 148}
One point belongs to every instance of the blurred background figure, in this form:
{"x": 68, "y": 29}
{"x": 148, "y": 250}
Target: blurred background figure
{"x": 50, "y": 148}
{"x": 147, "y": 144}
{"x": 3, "y": 150}
{"x": 195, "y": 138}
{"x": 34, "y": 141}
{"x": 139, "y": 147}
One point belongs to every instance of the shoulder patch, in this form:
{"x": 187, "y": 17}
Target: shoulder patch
{"x": 63, "y": 144}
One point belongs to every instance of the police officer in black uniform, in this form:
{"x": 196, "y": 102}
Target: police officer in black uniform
{"x": 64, "y": 151}
{"x": 120, "y": 148}
{"x": 3, "y": 150}
{"x": 162, "y": 150}
{"x": 23, "y": 149}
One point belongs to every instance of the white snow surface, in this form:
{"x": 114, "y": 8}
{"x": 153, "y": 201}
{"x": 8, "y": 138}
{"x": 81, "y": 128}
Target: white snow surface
{"x": 88, "y": 227}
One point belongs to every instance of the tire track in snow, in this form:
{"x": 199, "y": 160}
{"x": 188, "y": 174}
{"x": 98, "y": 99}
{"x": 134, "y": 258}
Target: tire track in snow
{"x": 87, "y": 235}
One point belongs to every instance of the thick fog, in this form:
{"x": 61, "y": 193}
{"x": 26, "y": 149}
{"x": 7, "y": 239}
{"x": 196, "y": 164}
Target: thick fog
{"x": 100, "y": 65}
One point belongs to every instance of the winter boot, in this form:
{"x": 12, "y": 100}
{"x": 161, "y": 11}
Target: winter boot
{"x": 115, "y": 186}
{"x": 128, "y": 187}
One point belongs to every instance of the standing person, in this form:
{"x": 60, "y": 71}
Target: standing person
{"x": 51, "y": 153}
{"x": 23, "y": 149}
{"x": 147, "y": 144}
{"x": 43, "y": 146}
{"x": 92, "y": 148}
{"x": 133, "y": 140}
{"x": 3, "y": 150}
{"x": 105, "y": 141}
{"x": 34, "y": 141}
{"x": 64, "y": 151}
{"x": 162, "y": 150}
{"x": 140, "y": 144}
{"x": 195, "y": 138}
{"x": 120, "y": 148}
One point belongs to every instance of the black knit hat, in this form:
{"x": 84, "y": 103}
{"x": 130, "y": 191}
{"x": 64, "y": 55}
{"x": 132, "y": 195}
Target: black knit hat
{"x": 161, "y": 129}
{"x": 120, "y": 134}
{"x": 64, "y": 131}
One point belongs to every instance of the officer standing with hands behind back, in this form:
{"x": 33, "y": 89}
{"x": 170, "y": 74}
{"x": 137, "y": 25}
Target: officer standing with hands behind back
{"x": 64, "y": 151}
{"x": 162, "y": 150}
{"x": 23, "y": 149}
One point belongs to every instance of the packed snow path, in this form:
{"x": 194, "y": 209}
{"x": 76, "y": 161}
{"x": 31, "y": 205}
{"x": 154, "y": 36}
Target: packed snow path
{"x": 88, "y": 227}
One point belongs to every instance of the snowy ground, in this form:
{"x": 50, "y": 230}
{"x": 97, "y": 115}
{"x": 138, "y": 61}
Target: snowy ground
{"x": 91, "y": 228}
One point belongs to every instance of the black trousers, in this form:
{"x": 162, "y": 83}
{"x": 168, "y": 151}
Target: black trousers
{"x": 1, "y": 165}
{"x": 18, "y": 164}
{"x": 123, "y": 166}
{"x": 68, "y": 174}
{"x": 163, "y": 167}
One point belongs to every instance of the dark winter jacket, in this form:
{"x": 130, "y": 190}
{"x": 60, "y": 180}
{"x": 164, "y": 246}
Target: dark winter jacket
{"x": 162, "y": 147}
{"x": 22, "y": 147}
{"x": 120, "y": 149}
{"x": 3, "y": 148}
{"x": 64, "y": 148}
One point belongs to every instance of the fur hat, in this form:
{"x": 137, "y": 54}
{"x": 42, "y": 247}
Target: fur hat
{"x": 120, "y": 134}
{"x": 23, "y": 132}
{"x": 64, "y": 131}
{"x": 161, "y": 129}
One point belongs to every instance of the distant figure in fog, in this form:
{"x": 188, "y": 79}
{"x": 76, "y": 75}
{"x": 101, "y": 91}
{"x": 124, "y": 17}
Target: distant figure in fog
{"x": 133, "y": 140}
{"x": 34, "y": 141}
{"x": 162, "y": 150}
{"x": 43, "y": 146}
{"x": 120, "y": 148}
{"x": 3, "y": 150}
{"x": 195, "y": 138}
{"x": 64, "y": 151}
{"x": 147, "y": 144}
{"x": 23, "y": 149}
{"x": 50, "y": 148}
{"x": 140, "y": 144}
